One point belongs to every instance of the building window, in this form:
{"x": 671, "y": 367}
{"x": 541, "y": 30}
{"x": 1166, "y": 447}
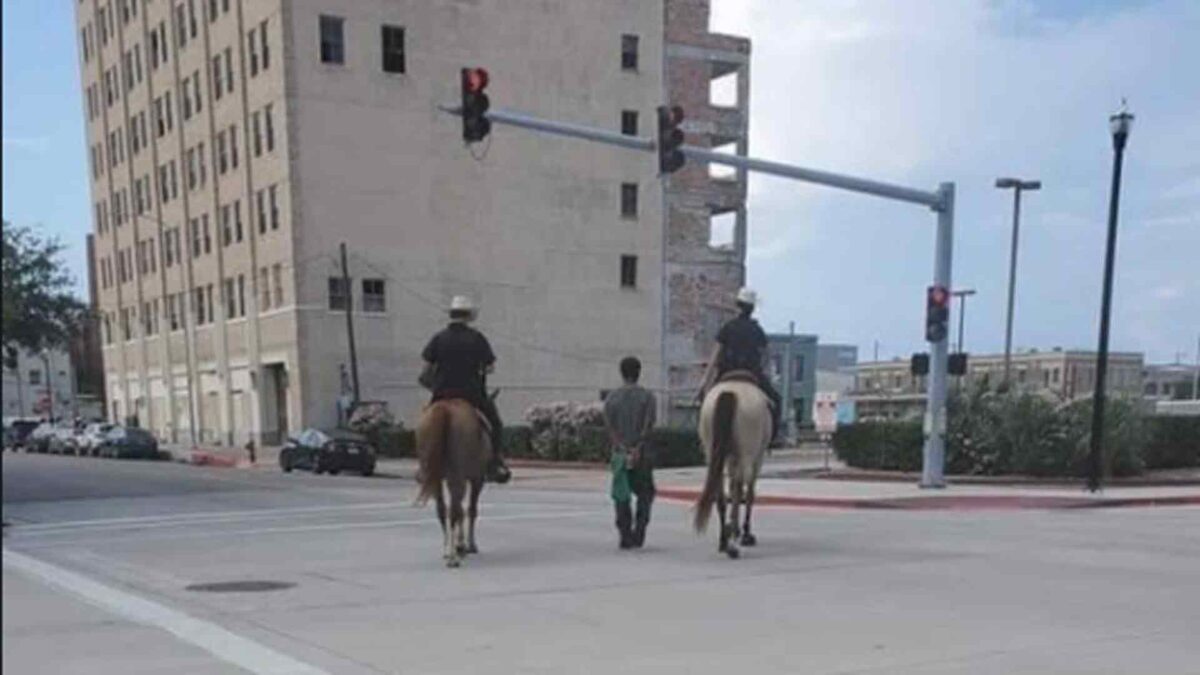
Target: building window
{"x": 338, "y": 296}
{"x": 256, "y": 134}
{"x": 373, "y": 299}
{"x": 252, "y": 49}
{"x": 218, "y": 90}
{"x": 35, "y": 376}
{"x": 269, "y": 126}
{"x": 629, "y": 271}
{"x": 629, "y": 200}
{"x": 277, "y": 276}
{"x": 629, "y": 52}
{"x": 274, "y": 208}
{"x": 237, "y": 220}
{"x": 798, "y": 368}
{"x": 333, "y": 45}
{"x": 260, "y": 202}
{"x": 393, "y": 49}
{"x": 233, "y": 147}
{"x": 629, "y": 120}
{"x": 241, "y": 295}
{"x": 262, "y": 37}
{"x": 264, "y": 285}
{"x": 229, "y": 69}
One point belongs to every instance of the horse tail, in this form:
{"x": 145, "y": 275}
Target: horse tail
{"x": 433, "y": 447}
{"x": 722, "y": 435}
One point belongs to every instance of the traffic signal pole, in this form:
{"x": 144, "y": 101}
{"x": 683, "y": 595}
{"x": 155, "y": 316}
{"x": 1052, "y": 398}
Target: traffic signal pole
{"x": 941, "y": 202}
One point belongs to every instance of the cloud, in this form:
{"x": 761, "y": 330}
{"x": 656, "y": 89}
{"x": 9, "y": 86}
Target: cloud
{"x": 919, "y": 92}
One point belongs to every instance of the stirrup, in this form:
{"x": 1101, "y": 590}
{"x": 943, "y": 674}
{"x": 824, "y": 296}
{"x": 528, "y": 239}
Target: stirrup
{"x": 498, "y": 473}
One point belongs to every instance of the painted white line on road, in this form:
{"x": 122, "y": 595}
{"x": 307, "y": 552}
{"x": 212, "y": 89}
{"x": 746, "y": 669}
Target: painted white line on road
{"x": 235, "y": 649}
{"x": 368, "y": 525}
{"x": 214, "y": 518}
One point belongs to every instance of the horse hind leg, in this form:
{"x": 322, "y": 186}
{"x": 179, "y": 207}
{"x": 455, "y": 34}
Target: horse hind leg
{"x": 749, "y": 539}
{"x": 472, "y": 515}
{"x": 723, "y": 541}
{"x": 735, "y": 498}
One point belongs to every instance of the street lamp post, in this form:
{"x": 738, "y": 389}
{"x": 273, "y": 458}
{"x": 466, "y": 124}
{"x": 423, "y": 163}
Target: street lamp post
{"x": 1119, "y": 124}
{"x": 962, "y": 312}
{"x": 1017, "y": 185}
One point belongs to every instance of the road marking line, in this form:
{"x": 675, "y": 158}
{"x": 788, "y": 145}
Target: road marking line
{"x": 240, "y": 651}
{"x": 379, "y": 524}
{"x": 217, "y": 517}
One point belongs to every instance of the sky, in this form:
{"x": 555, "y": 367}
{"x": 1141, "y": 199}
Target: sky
{"x": 913, "y": 93}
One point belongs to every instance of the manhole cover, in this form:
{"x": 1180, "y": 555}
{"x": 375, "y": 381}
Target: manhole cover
{"x": 240, "y": 586}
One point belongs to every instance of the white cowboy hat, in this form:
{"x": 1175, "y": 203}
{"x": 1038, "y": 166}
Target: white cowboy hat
{"x": 745, "y": 296}
{"x": 462, "y": 303}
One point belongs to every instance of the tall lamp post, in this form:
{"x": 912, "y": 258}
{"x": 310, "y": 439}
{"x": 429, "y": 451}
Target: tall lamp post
{"x": 962, "y": 296}
{"x": 1017, "y": 185}
{"x": 1119, "y": 124}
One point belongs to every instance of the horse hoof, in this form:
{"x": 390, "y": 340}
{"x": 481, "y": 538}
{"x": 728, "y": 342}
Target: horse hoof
{"x": 453, "y": 562}
{"x": 733, "y": 553}
{"x": 749, "y": 539}
{"x": 461, "y": 549}
{"x": 722, "y": 546}
{"x": 472, "y": 549}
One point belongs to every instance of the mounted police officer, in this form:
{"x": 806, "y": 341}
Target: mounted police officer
{"x": 742, "y": 346}
{"x": 457, "y": 361}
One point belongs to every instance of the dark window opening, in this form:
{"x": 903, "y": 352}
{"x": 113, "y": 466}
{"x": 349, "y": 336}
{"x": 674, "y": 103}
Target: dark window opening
{"x": 629, "y": 200}
{"x": 393, "y": 49}
{"x": 338, "y": 295}
{"x": 333, "y": 45}
{"x": 629, "y": 271}
{"x": 629, "y": 122}
{"x": 629, "y": 52}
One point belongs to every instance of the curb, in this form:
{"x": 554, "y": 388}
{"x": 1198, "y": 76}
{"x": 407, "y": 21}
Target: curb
{"x": 905, "y": 477}
{"x": 951, "y": 503}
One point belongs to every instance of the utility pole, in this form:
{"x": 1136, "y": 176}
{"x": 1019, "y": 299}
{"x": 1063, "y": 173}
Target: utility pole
{"x": 49, "y": 382}
{"x": 1017, "y": 186}
{"x": 1196, "y": 377}
{"x": 350, "y": 324}
{"x": 962, "y": 313}
{"x": 940, "y": 201}
{"x": 789, "y": 418}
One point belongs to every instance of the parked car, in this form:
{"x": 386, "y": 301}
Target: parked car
{"x": 332, "y": 450}
{"x": 88, "y": 441}
{"x": 128, "y": 443}
{"x": 61, "y": 441}
{"x": 16, "y": 432}
{"x": 39, "y": 439}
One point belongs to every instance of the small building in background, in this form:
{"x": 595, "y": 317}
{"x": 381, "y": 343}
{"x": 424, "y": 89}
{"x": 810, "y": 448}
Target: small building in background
{"x": 1169, "y": 382}
{"x": 802, "y": 371}
{"x": 889, "y": 390}
{"x": 40, "y": 385}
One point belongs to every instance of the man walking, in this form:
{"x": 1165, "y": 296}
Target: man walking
{"x": 629, "y": 414}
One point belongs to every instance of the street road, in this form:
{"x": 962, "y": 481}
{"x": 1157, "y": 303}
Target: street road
{"x": 99, "y": 555}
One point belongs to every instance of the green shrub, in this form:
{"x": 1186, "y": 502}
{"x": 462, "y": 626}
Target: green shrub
{"x": 394, "y": 442}
{"x": 1174, "y": 443}
{"x": 516, "y": 441}
{"x": 894, "y": 446}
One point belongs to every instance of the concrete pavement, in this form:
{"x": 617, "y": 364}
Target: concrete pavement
{"x": 827, "y": 591}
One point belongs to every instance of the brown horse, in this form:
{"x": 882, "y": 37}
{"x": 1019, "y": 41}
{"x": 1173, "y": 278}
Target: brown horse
{"x": 735, "y": 428}
{"x": 453, "y": 448}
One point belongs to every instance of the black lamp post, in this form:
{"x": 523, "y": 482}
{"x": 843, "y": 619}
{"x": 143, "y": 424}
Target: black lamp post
{"x": 1120, "y": 124}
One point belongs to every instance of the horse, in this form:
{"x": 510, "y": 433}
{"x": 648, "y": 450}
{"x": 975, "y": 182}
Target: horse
{"x": 453, "y": 448}
{"x": 735, "y": 429}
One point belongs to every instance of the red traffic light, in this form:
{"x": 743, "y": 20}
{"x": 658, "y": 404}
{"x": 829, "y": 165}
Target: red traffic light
{"x": 939, "y": 296}
{"x": 475, "y": 79}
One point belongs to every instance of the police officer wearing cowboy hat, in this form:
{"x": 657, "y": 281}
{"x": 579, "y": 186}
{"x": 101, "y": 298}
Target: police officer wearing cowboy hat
{"x": 742, "y": 345}
{"x": 457, "y": 361}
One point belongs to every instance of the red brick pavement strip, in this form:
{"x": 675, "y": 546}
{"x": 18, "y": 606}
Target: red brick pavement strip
{"x": 950, "y": 502}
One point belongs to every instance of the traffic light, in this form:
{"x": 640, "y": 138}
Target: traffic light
{"x": 670, "y": 138}
{"x": 958, "y": 363}
{"x": 476, "y": 125}
{"x": 937, "y": 313}
{"x": 920, "y": 364}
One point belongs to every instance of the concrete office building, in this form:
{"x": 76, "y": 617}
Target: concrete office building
{"x": 235, "y": 144}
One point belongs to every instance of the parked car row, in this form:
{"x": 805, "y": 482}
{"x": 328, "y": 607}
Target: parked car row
{"x": 97, "y": 439}
{"x": 331, "y": 450}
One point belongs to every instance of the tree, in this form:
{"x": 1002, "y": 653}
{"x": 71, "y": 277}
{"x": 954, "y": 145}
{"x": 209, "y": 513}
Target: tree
{"x": 40, "y": 311}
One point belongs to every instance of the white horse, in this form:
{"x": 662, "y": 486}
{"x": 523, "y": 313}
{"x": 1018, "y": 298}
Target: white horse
{"x": 735, "y": 429}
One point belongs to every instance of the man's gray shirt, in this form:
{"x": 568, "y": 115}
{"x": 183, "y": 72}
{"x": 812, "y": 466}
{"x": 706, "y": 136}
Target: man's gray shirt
{"x": 629, "y": 412}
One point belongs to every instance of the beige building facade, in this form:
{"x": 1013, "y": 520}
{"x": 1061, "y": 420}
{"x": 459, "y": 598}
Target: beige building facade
{"x": 889, "y": 390}
{"x": 235, "y": 145}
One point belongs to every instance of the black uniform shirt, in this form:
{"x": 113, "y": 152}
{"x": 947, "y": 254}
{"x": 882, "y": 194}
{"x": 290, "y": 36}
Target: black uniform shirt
{"x": 742, "y": 345}
{"x": 460, "y": 353}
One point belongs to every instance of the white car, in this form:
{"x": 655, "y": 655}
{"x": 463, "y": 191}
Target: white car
{"x": 39, "y": 438}
{"x": 88, "y": 440}
{"x": 61, "y": 441}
